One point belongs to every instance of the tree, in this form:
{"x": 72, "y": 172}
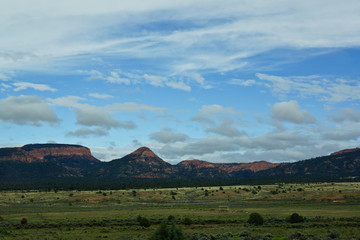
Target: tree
{"x": 187, "y": 221}
{"x": 23, "y": 221}
{"x": 143, "y": 221}
{"x": 295, "y": 218}
{"x": 255, "y": 219}
{"x": 171, "y": 218}
{"x": 164, "y": 232}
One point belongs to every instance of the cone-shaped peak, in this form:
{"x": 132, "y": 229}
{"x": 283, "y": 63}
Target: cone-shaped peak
{"x": 144, "y": 151}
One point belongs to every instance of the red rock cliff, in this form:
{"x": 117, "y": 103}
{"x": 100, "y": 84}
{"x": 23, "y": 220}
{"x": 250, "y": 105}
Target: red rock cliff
{"x": 42, "y": 152}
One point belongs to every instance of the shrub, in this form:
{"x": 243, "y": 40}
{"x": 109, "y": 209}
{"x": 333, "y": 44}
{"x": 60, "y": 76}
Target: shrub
{"x": 255, "y": 219}
{"x": 164, "y": 232}
{"x": 1, "y": 218}
{"x": 187, "y": 221}
{"x": 143, "y": 221}
{"x": 334, "y": 234}
{"x": 23, "y": 221}
{"x": 297, "y": 236}
{"x": 171, "y": 218}
{"x": 295, "y": 218}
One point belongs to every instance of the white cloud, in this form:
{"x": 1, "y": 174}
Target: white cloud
{"x": 211, "y": 110}
{"x": 68, "y": 101}
{"x": 95, "y": 116}
{"x": 88, "y": 132}
{"x": 3, "y": 77}
{"x": 211, "y": 148}
{"x": 347, "y": 114}
{"x": 168, "y": 136}
{"x": 25, "y": 85}
{"x": 291, "y": 112}
{"x": 132, "y": 107}
{"x": 89, "y": 115}
{"x": 100, "y": 96}
{"x": 226, "y": 128}
{"x": 115, "y": 78}
{"x": 333, "y": 90}
{"x": 26, "y": 110}
{"x": 244, "y": 83}
{"x": 226, "y": 36}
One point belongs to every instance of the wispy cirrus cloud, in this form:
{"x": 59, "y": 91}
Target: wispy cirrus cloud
{"x": 318, "y": 87}
{"x": 100, "y": 95}
{"x": 25, "y": 85}
{"x": 213, "y": 36}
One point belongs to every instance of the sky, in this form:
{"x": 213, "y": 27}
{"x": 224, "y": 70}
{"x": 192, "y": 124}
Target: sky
{"x": 221, "y": 81}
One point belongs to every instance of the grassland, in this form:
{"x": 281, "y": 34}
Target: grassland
{"x": 217, "y": 211}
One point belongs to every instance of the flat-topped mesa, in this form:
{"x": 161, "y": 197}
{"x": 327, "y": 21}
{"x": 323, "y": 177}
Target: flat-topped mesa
{"x": 43, "y": 152}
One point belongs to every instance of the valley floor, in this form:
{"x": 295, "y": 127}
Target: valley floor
{"x": 330, "y": 209}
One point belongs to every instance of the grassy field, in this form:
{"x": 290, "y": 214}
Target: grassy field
{"x": 218, "y": 212}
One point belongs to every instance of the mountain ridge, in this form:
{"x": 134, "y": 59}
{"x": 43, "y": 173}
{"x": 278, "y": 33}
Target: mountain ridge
{"x": 46, "y": 161}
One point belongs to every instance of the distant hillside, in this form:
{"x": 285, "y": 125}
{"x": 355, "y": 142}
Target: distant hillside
{"x": 222, "y": 170}
{"x": 345, "y": 163}
{"x": 61, "y": 161}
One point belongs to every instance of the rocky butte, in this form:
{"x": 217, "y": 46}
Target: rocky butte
{"x": 45, "y": 152}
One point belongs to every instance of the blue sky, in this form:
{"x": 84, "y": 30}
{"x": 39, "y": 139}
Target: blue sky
{"x": 222, "y": 81}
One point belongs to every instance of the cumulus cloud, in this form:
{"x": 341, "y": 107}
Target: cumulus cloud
{"x": 346, "y": 114}
{"x": 26, "y": 110}
{"x": 88, "y": 132}
{"x": 226, "y": 128}
{"x": 343, "y": 135}
{"x": 132, "y": 107}
{"x": 291, "y": 112}
{"x": 220, "y": 145}
{"x": 94, "y": 116}
{"x": 89, "y": 115}
{"x": 168, "y": 136}
{"x": 25, "y": 85}
{"x": 211, "y": 110}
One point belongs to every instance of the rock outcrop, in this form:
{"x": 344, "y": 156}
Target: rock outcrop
{"x": 45, "y": 152}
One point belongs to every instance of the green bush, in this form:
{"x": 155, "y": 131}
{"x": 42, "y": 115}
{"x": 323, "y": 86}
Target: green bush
{"x": 334, "y": 234}
{"x": 171, "y": 218}
{"x": 295, "y": 218}
{"x": 165, "y": 232}
{"x": 23, "y": 221}
{"x": 187, "y": 221}
{"x": 255, "y": 219}
{"x": 143, "y": 221}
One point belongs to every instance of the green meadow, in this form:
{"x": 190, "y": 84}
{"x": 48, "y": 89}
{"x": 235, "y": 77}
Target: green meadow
{"x": 330, "y": 211}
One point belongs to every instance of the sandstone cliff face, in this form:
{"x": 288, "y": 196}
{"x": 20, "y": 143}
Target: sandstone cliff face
{"x": 45, "y": 152}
